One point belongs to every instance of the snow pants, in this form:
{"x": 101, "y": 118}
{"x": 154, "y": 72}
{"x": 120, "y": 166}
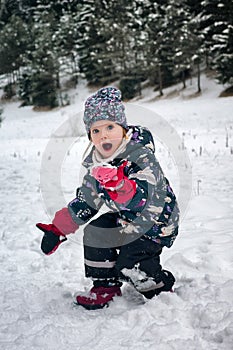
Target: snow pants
{"x": 108, "y": 253}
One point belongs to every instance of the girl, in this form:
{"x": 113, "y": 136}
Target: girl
{"x": 122, "y": 172}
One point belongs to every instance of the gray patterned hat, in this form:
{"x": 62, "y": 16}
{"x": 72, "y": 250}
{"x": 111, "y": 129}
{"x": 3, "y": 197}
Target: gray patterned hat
{"x": 104, "y": 104}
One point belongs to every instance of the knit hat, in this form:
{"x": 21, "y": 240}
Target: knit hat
{"x": 104, "y": 104}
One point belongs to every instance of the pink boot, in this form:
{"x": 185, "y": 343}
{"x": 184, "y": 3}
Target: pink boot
{"x": 98, "y": 297}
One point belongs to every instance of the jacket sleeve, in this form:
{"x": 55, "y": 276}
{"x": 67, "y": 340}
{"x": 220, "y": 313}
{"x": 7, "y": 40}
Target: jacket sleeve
{"x": 86, "y": 204}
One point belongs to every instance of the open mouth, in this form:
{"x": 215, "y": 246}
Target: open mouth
{"x": 107, "y": 146}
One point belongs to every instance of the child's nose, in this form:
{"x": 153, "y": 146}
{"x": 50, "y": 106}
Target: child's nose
{"x": 103, "y": 134}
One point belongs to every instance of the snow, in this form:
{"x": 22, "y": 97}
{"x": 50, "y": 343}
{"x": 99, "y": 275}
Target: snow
{"x": 37, "y": 291}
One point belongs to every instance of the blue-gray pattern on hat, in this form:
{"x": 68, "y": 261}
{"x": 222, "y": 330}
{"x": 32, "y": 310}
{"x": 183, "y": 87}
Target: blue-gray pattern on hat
{"x": 105, "y": 104}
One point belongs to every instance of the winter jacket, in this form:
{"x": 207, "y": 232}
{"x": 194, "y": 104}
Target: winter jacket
{"x": 153, "y": 210}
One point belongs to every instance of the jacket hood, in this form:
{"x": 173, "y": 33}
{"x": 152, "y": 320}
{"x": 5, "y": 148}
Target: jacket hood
{"x": 142, "y": 136}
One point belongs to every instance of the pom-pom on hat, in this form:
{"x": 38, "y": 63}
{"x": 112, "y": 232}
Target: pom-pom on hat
{"x": 104, "y": 104}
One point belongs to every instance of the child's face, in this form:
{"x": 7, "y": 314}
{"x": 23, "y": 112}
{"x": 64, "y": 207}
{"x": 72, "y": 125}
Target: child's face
{"x": 106, "y": 136}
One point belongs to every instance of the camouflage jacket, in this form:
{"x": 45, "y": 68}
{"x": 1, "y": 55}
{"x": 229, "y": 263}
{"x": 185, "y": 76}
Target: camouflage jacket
{"x": 153, "y": 210}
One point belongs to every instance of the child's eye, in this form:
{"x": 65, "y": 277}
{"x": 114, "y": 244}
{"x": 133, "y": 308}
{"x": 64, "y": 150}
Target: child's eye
{"x": 95, "y": 131}
{"x": 110, "y": 127}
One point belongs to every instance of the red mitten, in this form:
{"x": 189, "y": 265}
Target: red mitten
{"x": 120, "y": 188}
{"x": 64, "y": 222}
{"x": 51, "y": 239}
{"x": 124, "y": 192}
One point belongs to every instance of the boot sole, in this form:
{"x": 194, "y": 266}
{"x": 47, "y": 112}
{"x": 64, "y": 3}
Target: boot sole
{"x": 92, "y": 307}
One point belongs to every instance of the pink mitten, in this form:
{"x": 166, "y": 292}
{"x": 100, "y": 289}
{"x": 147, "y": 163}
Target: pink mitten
{"x": 105, "y": 173}
{"x": 119, "y": 187}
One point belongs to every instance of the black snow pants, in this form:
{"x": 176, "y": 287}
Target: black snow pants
{"x": 109, "y": 254}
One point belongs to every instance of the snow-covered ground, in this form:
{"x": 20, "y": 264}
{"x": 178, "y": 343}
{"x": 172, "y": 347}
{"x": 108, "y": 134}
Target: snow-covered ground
{"x": 37, "y": 291}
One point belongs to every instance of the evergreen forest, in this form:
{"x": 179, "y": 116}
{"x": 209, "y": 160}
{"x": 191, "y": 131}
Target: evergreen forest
{"x": 46, "y": 46}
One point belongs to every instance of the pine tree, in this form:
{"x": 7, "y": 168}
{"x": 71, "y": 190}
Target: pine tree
{"x": 217, "y": 23}
{"x": 91, "y": 41}
{"x": 25, "y": 89}
{"x": 66, "y": 42}
{"x": 14, "y": 38}
{"x": 209, "y": 24}
{"x": 196, "y": 45}
{"x": 160, "y": 48}
{"x": 179, "y": 19}
{"x": 139, "y": 35}
{"x": 109, "y": 44}
{"x": 125, "y": 47}
{"x": 45, "y": 64}
{"x": 223, "y": 43}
